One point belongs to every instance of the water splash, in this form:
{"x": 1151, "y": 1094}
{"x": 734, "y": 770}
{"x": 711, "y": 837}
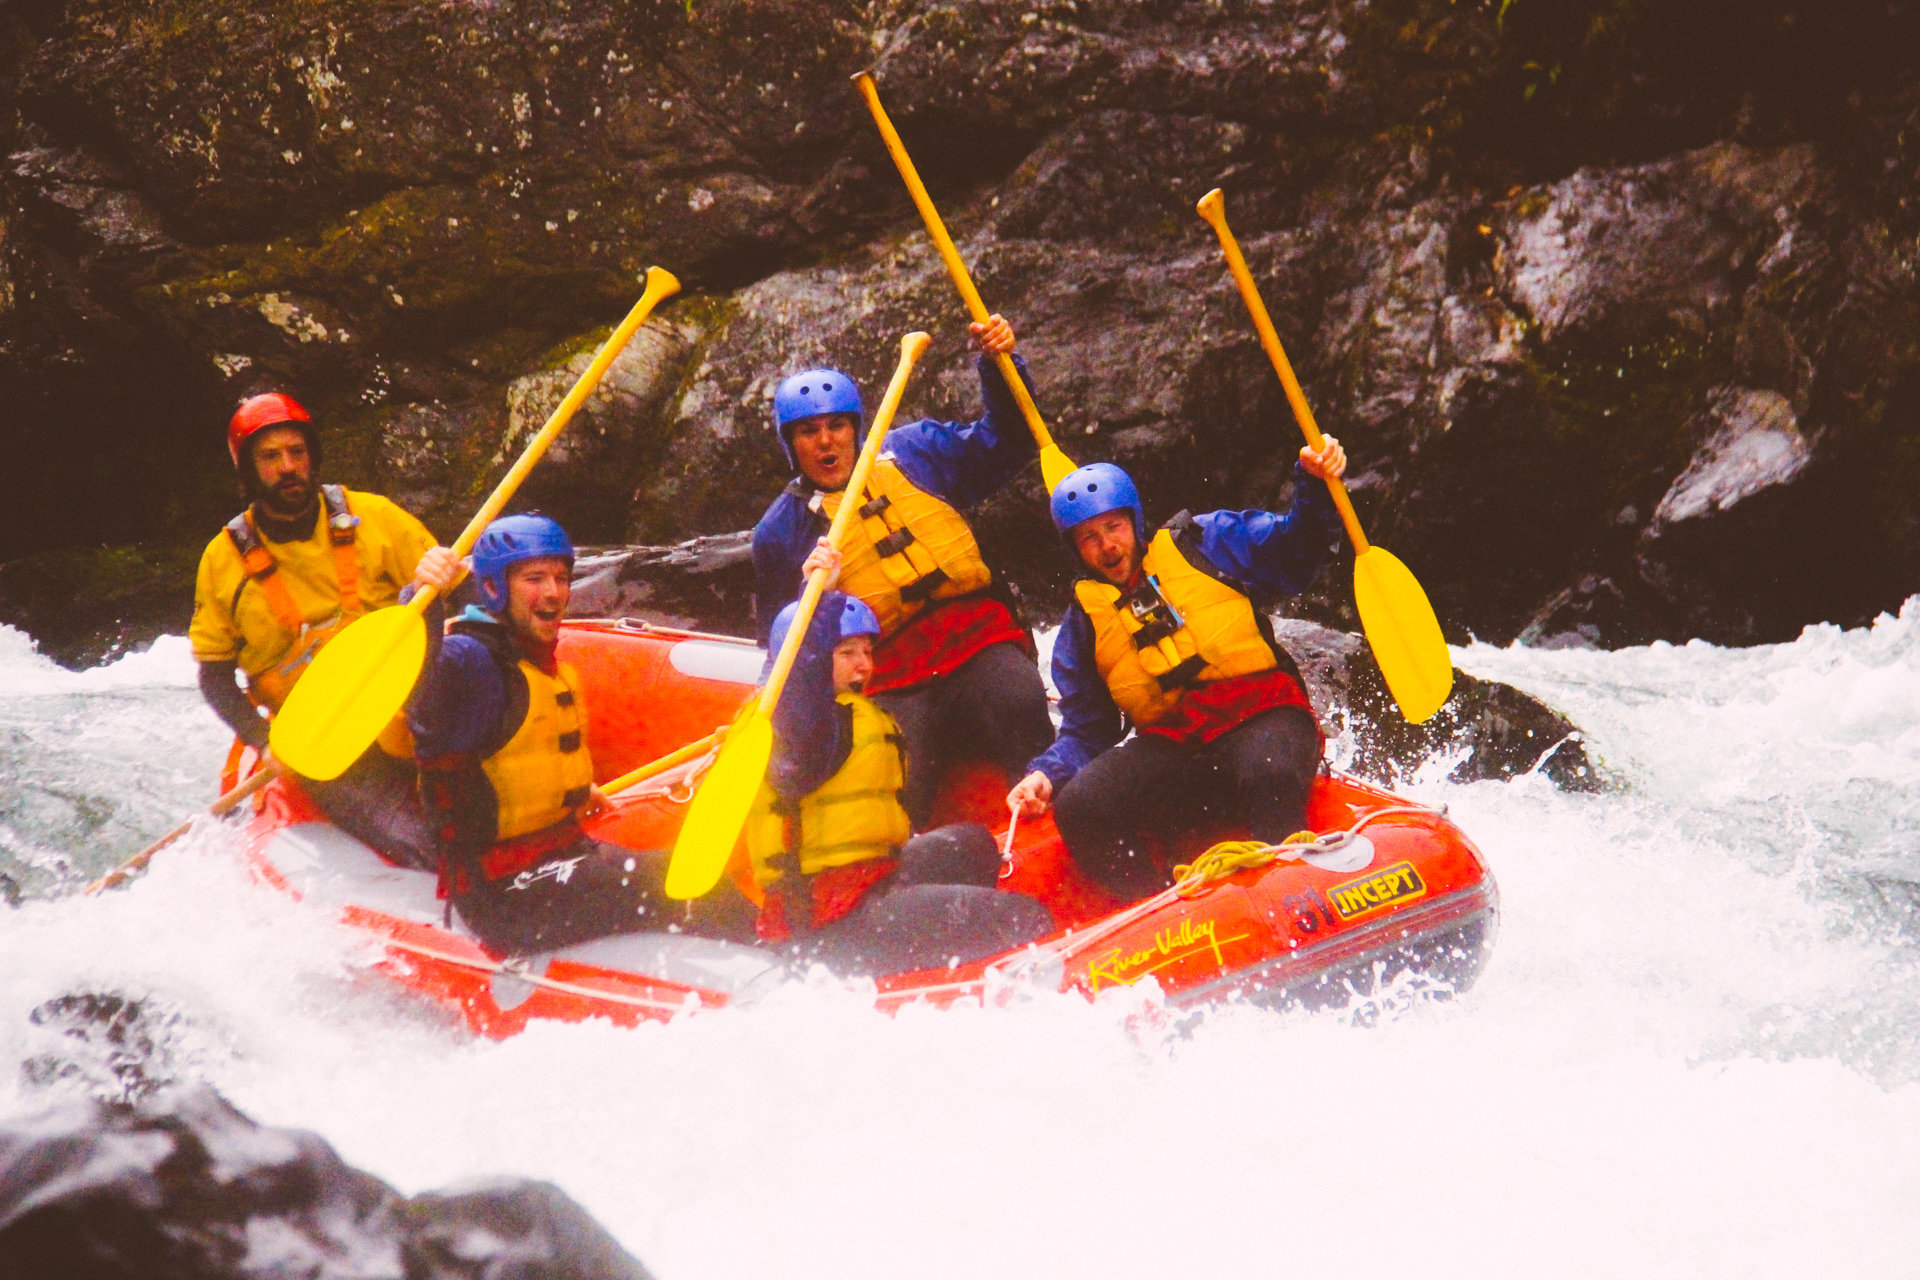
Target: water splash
{"x": 1692, "y": 1053}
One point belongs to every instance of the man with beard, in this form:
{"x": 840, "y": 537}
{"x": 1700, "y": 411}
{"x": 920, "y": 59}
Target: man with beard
{"x": 289, "y": 574}
{"x": 1169, "y": 633}
{"x": 953, "y": 664}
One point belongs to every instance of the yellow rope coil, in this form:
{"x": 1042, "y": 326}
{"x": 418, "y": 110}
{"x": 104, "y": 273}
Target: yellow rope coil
{"x": 1227, "y": 857}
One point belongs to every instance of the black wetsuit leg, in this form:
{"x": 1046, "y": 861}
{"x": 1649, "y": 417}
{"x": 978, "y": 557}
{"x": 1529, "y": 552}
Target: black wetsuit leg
{"x": 584, "y": 891}
{"x": 994, "y": 706}
{"x": 1152, "y": 790}
{"x": 377, "y": 802}
{"x": 1272, "y": 759}
{"x": 1113, "y": 812}
{"x": 919, "y": 918}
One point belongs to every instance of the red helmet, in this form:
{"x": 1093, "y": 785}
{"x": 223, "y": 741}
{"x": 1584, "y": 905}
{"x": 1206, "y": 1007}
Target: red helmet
{"x": 270, "y": 410}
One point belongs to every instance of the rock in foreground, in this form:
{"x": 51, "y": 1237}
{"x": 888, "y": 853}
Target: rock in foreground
{"x": 187, "y": 1188}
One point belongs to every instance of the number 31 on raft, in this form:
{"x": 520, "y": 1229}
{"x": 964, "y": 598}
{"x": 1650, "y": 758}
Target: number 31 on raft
{"x": 1394, "y": 612}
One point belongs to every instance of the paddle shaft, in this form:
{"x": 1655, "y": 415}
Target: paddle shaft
{"x": 225, "y": 804}
{"x": 911, "y": 348}
{"x": 660, "y": 284}
{"x": 634, "y": 778}
{"x": 957, "y": 269}
{"x": 1212, "y": 207}
{"x": 712, "y": 825}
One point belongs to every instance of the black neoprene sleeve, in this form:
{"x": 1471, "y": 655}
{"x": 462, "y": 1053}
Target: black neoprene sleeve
{"x": 230, "y": 704}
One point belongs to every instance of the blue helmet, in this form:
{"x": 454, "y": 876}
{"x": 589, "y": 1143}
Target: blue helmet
{"x": 810, "y": 394}
{"x": 856, "y": 619}
{"x": 509, "y": 541}
{"x": 1095, "y": 489}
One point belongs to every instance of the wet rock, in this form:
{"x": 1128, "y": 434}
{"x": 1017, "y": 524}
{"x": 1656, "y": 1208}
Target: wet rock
{"x": 111, "y": 1047}
{"x": 705, "y": 584}
{"x": 1726, "y": 527}
{"x": 1615, "y": 248}
{"x": 1753, "y": 442}
{"x": 1597, "y": 611}
{"x": 1486, "y": 730}
{"x": 591, "y": 469}
{"x": 183, "y": 1185}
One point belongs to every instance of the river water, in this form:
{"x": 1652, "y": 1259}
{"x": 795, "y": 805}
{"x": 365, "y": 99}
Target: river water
{"x": 1695, "y": 1052}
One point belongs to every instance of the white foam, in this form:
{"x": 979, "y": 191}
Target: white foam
{"x": 26, "y": 672}
{"x": 1693, "y": 1054}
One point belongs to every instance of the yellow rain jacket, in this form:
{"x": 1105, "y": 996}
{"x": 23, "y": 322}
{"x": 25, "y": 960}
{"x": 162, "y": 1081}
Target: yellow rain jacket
{"x": 270, "y": 606}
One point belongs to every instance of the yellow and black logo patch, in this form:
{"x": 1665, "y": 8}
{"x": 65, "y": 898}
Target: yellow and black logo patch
{"x": 1362, "y": 897}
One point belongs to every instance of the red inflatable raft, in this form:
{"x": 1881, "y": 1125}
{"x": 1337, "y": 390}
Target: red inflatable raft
{"x": 1391, "y": 888}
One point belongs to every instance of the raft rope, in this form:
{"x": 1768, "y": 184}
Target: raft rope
{"x": 1215, "y": 864}
{"x": 679, "y": 784}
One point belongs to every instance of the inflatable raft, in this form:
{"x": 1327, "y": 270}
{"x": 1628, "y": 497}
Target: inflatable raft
{"x": 1389, "y": 889}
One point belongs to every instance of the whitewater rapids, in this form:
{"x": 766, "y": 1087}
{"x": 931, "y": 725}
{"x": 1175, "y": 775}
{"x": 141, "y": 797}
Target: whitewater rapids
{"x": 1695, "y": 1051}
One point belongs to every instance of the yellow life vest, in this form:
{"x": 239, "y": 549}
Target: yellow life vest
{"x": 854, "y": 816}
{"x": 544, "y": 773}
{"x": 271, "y": 606}
{"x": 1183, "y": 626}
{"x": 907, "y": 548}
{"x": 305, "y": 637}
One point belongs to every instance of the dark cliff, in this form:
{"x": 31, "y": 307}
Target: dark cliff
{"x": 1613, "y": 303}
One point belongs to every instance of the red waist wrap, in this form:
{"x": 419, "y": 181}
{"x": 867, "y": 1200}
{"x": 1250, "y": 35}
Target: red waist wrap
{"x": 832, "y": 893}
{"x": 508, "y": 858}
{"x": 940, "y": 639}
{"x": 1208, "y": 710}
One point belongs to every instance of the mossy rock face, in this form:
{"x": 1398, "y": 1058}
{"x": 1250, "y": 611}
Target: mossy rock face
{"x": 1517, "y": 254}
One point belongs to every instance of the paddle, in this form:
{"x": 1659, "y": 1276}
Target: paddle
{"x": 273, "y": 769}
{"x": 720, "y": 806}
{"x": 1394, "y": 612}
{"x": 359, "y": 682}
{"x": 1054, "y": 465}
{"x": 225, "y": 804}
{"x": 673, "y": 759}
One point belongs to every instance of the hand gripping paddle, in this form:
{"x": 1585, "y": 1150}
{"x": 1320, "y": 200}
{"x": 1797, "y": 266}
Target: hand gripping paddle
{"x": 359, "y": 682}
{"x": 720, "y": 806}
{"x": 1054, "y": 465}
{"x": 1400, "y": 626}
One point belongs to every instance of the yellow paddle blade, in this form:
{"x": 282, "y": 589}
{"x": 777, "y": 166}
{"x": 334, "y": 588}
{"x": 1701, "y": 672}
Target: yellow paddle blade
{"x": 354, "y": 688}
{"x": 1404, "y": 633}
{"x": 1055, "y": 466}
{"x": 720, "y": 808}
